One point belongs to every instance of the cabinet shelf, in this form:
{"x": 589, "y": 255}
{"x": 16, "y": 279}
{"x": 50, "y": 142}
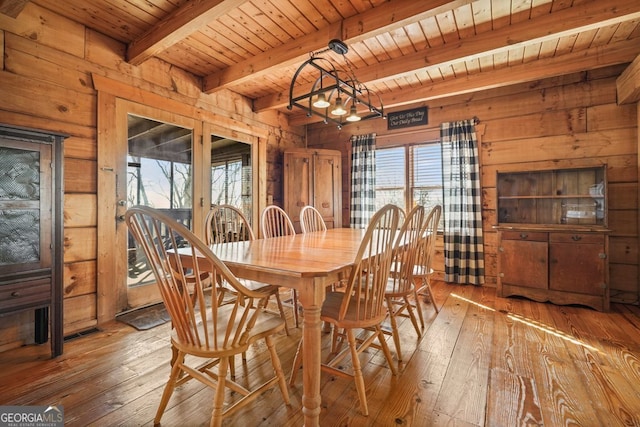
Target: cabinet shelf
{"x": 556, "y": 196}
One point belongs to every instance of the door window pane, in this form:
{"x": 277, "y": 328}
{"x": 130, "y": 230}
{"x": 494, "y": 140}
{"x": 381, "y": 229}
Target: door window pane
{"x": 159, "y": 176}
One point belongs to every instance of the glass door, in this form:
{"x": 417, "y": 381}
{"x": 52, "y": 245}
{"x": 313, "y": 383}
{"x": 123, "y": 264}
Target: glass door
{"x": 231, "y": 175}
{"x": 159, "y": 175}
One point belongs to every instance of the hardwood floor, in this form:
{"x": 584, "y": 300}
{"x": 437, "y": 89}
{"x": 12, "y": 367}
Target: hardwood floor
{"x": 482, "y": 361}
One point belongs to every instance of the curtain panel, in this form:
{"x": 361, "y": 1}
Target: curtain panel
{"x": 463, "y": 240}
{"x": 363, "y": 179}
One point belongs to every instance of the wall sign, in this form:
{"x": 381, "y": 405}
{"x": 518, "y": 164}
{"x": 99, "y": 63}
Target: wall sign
{"x": 407, "y": 118}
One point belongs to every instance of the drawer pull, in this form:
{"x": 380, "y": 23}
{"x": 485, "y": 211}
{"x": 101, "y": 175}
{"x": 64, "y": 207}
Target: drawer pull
{"x": 523, "y": 235}
{"x": 16, "y": 294}
{"x": 576, "y": 238}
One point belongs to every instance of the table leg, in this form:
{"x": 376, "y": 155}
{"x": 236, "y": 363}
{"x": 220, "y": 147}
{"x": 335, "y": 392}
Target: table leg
{"x": 311, "y": 297}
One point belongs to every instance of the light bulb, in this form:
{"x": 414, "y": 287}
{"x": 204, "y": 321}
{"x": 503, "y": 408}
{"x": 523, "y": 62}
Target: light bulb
{"x": 353, "y": 114}
{"x": 321, "y": 101}
{"x": 339, "y": 109}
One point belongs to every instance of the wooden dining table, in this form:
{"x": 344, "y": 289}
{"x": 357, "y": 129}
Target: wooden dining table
{"x": 308, "y": 263}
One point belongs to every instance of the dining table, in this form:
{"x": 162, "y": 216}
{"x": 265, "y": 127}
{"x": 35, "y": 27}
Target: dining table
{"x": 308, "y": 263}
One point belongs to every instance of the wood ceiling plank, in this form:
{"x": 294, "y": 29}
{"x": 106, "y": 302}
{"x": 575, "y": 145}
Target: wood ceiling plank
{"x": 12, "y": 8}
{"x": 253, "y": 29}
{"x": 292, "y": 14}
{"x": 175, "y": 27}
{"x": 625, "y": 30}
{"x": 280, "y": 28}
{"x": 391, "y": 15}
{"x": 464, "y": 21}
{"x": 566, "y": 24}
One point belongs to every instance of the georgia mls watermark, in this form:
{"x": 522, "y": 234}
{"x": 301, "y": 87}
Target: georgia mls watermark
{"x": 31, "y": 416}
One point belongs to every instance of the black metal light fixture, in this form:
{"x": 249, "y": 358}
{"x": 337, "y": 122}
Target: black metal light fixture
{"x": 336, "y": 95}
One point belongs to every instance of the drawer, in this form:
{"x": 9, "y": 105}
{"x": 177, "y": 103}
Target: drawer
{"x": 585, "y": 238}
{"x": 23, "y": 295}
{"x": 525, "y": 235}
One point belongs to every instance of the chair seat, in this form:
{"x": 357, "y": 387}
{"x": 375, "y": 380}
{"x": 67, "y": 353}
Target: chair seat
{"x": 266, "y": 324}
{"x": 331, "y": 308}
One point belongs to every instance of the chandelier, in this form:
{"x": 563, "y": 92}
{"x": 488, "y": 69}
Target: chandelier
{"x": 336, "y": 95}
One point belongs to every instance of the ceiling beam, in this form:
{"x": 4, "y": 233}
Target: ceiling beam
{"x": 584, "y": 17}
{"x": 598, "y": 57}
{"x": 183, "y": 22}
{"x": 628, "y": 84}
{"x": 387, "y": 17}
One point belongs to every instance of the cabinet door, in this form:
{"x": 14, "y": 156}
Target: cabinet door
{"x": 577, "y": 263}
{"x": 524, "y": 262}
{"x": 297, "y": 184}
{"x": 326, "y": 185}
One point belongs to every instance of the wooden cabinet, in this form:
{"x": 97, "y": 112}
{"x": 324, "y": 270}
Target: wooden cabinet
{"x": 31, "y": 230}
{"x": 552, "y": 236}
{"x": 313, "y": 177}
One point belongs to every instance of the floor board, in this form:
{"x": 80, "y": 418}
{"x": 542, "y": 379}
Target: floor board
{"x": 482, "y": 361}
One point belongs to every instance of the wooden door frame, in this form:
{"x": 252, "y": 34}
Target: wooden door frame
{"x": 110, "y": 296}
{"x": 112, "y": 167}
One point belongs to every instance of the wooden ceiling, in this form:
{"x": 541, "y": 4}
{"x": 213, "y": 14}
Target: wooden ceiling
{"x": 404, "y": 50}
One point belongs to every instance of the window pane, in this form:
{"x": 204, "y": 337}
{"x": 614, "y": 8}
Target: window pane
{"x": 426, "y": 182}
{"x": 390, "y": 177}
{"x": 390, "y": 168}
{"x": 226, "y": 183}
{"x": 427, "y": 165}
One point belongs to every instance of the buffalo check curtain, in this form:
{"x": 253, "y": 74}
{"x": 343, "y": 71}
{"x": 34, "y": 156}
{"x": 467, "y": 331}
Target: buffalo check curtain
{"x": 463, "y": 243}
{"x": 363, "y": 179}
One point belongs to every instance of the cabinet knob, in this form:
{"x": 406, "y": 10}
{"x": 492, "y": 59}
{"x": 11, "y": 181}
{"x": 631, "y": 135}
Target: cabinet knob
{"x": 523, "y": 235}
{"x": 15, "y": 294}
{"x": 576, "y": 238}
{"x": 602, "y": 255}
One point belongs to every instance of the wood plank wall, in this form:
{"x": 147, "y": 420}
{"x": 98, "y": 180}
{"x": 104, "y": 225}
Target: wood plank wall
{"x": 45, "y": 83}
{"x": 571, "y": 120}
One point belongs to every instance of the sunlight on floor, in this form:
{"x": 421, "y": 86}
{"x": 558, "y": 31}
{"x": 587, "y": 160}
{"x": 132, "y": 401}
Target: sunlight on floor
{"x": 532, "y": 323}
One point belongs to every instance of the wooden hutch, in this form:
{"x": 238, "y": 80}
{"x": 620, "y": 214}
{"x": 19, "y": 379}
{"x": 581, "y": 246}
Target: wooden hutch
{"x": 553, "y": 237}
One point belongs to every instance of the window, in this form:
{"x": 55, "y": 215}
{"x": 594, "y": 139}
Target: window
{"x": 160, "y": 184}
{"x": 410, "y": 175}
{"x": 390, "y": 177}
{"x": 231, "y": 181}
{"x": 226, "y": 183}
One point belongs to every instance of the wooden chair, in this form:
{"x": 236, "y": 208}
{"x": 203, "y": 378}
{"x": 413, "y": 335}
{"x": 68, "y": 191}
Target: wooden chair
{"x": 400, "y": 288}
{"x": 227, "y": 223}
{"x": 361, "y": 305}
{"x": 275, "y": 222}
{"x": 311, "y": 220}
{"x": 203, "y": 331}
{"x": 426, "y": 252}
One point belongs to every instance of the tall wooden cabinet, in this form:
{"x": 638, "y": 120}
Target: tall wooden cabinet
{"x": 553, "y": 237}
{"x": 31, "y": 230}
{"x": 313, "y": 177}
